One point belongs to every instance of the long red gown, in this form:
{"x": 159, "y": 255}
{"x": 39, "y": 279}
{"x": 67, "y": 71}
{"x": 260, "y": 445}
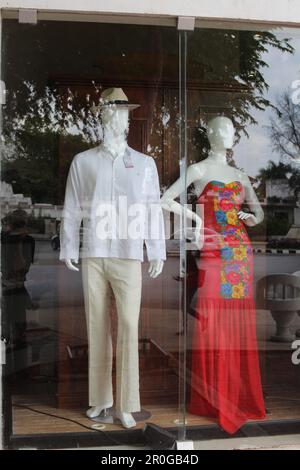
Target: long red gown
{"x": 225, "y": 373}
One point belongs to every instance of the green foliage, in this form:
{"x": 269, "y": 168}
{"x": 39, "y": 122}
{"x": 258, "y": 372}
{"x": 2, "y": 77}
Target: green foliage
{"x": 273, "y": 171}
{"x": 270, "y": 226}
{"x": 277, "y": 226}
{"x": 32, "y": 169}
{"x": 37, "y": 119}
{"x": 234, "y": 60}
{"x": 285, "y": 128}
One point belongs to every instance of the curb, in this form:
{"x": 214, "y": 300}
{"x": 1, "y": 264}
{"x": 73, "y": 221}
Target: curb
{"x": 279, "y": 251}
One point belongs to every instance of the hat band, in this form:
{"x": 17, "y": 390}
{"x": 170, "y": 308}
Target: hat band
{"x": 117, "y": 102}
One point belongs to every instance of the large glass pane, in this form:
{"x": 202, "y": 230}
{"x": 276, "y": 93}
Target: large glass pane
{"x": 61, "y": 71}
{"x": 243, "y": 296}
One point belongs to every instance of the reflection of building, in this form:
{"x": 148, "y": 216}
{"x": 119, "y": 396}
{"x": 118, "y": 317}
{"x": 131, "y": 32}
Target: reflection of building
{"x": 10, "y": 202}
{"x": 294, "y": 231}
{"x": 280, "y": 203}
{"x": 46, "y": 210}
{"x": 279, "y": 188}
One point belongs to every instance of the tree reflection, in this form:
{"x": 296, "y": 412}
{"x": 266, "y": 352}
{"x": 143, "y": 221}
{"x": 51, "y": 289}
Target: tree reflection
{"x": 285, "y": 128}
{"x": 35, "y": 119}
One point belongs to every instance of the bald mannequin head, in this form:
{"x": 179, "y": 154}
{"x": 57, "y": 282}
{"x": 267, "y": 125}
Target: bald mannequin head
{"x": 220, "y": 133}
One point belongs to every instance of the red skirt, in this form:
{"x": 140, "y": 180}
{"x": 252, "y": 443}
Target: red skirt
{"x": 225, "y": 373}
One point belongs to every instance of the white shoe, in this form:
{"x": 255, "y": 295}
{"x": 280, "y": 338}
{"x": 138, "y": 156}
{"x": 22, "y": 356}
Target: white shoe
{"x": 126, "y": 419}
{"x": 95, "y": 411}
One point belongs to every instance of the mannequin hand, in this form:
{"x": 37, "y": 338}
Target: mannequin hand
{"x": 70, "y": 265}
{"x": 249, "y": 219}
{"x": 155, "y": 268}
{"x": 199, "y": 237}
{"x": 195, "y": 237}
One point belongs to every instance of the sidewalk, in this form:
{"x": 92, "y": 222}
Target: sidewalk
{"x": 287, "y": 442}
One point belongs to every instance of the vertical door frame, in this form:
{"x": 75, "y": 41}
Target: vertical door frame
{"x": 2, "y": 345}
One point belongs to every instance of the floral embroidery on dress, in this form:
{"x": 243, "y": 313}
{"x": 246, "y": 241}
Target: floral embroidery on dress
{"x": 234, "y": 249}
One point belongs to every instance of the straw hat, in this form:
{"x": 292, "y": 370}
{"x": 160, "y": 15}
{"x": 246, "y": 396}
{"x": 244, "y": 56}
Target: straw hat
{"x": 114, "y": 96}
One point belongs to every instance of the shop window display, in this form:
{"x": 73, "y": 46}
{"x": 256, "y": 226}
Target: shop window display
{"x": 213, "y": 332}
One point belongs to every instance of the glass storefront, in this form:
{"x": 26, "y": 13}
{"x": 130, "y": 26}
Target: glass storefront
{"x": 217, "y": 349}
{"x": 242, "y": 113}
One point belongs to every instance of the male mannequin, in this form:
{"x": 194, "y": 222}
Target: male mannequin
{"x": 96, "y": 177}
{"x": 220, "y": 132}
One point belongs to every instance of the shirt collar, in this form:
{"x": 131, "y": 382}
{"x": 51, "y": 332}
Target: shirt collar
{"x": 106, "y": 152}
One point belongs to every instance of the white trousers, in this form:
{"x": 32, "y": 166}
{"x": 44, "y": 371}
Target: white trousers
{"x": 125, "y": 278}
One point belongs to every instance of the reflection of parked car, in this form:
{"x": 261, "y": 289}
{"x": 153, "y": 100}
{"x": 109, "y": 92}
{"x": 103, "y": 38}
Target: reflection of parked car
{"x": 281, "y": 243}
{"x": 211, "y": 239}
{"x": 55, "y": 240}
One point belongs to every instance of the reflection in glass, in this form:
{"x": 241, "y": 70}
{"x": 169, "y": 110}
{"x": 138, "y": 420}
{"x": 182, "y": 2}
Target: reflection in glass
{"x": 48, "y": 119}
{"x": 251, "y": 78}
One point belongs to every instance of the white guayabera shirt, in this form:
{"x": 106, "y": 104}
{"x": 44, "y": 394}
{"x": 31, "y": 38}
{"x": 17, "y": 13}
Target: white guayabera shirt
{"x": 118, "y": 201}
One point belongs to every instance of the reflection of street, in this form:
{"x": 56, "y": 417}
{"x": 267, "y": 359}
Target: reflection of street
{"x": 46, "y": 273}
{"x": 161, "y": 296}
{"x": 54, "y": 288}
{"x": 17, "y": 256}
{"x": 43, "y": 277}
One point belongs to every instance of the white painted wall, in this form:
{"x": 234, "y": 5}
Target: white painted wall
{"x": 279, "y": 188}
{"x": 282, "y": 11}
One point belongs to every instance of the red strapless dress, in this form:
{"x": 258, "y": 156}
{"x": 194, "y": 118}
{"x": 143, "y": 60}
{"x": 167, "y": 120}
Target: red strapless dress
{"x": 225, "y": 373}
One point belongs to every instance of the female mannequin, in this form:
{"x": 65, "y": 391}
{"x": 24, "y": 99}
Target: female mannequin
{"x": 220, "y": 131}
{"x": 225, "y": 376}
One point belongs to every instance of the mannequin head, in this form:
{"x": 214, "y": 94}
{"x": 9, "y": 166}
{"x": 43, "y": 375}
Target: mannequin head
{"x": 115, "y": 122}
{"x": 220, "y": 132}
